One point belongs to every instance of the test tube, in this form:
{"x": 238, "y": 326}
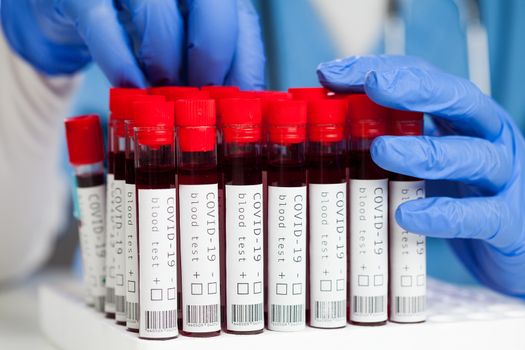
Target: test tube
{"x": 242, "y": 170}
{"x": 86, "y": 155}
{"x": 328, "y": 210}
{"x": 368, "y": 196}
{"x": 407, "y": 249}
{"x": 156, "y": 219}
{"x": 198, "y": 189}
{"x": 287, "y": 210}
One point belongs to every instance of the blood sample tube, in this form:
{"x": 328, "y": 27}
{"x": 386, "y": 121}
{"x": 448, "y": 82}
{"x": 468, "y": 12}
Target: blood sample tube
{"x": 161, "y": 90}
{"x": 328, "y": 210}
{"x": 368, "y": 196}
{"x": 130, "y": 216}
{"x": 117, "y": 112}
{"x": 287, "y": 210}
{"x": 156, "y": 219}
{"x": 407, "y": 249}
{"x": 86, "y": 155}
{"x": 242, "y": 169}
{"x": 199, "y": 217}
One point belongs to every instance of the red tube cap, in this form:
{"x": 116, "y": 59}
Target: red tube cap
{"x": 195, "y": 113}
{"x": 308, "y": 93}
{"x": 406, "y": 123}
{"x": 177, "y": 93}
{"x": 84, "y": 140}
{"x": 196, "y": 121}
{"x": 241, "y": 119}
{"x": 114, "y": 99}
{"x": 287, "y": 121}
{"x": 218, "y": 92}
{"x": 157, "y": 120}
{"x": 160, "y": 90}
{"x": 367, "y": 118}
{"x": 326, "y": 119}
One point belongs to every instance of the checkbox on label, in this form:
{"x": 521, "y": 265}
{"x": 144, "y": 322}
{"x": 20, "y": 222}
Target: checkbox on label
{"x": 171, "y": 294}
{"x": 340, "y": 284}
{"x": 243, "y": 288}
{"x": 156, "y": 295}
{"x": 212, "y": 288}
{"x": 257, "y": 287}
{"x": 378, "y": 280}
{"x": 326, "y": 286}
{"x": 297, "y": 288}
{"x": 406, "y": 281}
{"x": 131, "y": 286}
{"x": 196, "y": 289}
{"x": 281, "y": 289}
{"x": 120, "y": 280}
{"x": 363, "y": 280}
{"x": 420, "y": 280}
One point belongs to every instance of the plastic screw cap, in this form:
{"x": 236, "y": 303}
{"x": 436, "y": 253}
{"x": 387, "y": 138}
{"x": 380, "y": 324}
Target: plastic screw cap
{"x": 84, "y": 140}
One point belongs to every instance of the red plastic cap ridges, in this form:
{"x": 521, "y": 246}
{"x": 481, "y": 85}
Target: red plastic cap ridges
{"x": 308, "y": 93}
{"x": 367, "y": 118}
{"x": 152, "y": 113}
{"x": 115, "y": 96}
{"x": 287, "y": 112}
{"x": 327, "y": 112}
{"x": 84, "y": 140}
{"x": 174, "y": 94}
{"x": 218, "y": 92}
{"x": 326, "y": 119}
{"x": 161, "y": 90}
{"x": 195, "y": 113}
{"x": 241, "y": 119}
{"x": 406, "y": 123}
{"x": 240, "y": 111}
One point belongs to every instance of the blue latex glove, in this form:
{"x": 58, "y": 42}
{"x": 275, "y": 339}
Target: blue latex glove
{"x": 135, "y": 42}
{"x": 479, "y": 151}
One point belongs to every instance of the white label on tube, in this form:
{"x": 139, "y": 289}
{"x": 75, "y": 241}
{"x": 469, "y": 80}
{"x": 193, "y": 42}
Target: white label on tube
{"x": 157, "y": 232}
{"x": 118, "y": 213}
{"x": 286, "y": 258}
{"x": 110, "y": 246}
{"x": 83, "y": 238}
{"x": 200, "y": 264}
{"x": 132, "y": 265}
{"x": 92, "y": 207}
{"x": 244, "y": 258}
{"x": 407, "y": 259}
{"x": 328, "y": 255}
{"x": 368, "y": 250}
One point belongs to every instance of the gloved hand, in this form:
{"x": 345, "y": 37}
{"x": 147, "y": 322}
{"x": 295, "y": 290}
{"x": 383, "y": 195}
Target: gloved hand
{"x": 480, "y": 151}
{"x": 140, "y": 41}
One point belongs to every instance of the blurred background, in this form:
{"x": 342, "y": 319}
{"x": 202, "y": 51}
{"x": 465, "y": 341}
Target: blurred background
{"x": 299, "y": 34}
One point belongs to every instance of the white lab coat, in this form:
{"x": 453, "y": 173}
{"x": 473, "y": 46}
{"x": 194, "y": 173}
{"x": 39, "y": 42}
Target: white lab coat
{"x": 33, "y": 189}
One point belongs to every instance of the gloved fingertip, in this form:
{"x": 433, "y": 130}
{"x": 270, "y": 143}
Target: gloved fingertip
{"x": 414, "y": 216}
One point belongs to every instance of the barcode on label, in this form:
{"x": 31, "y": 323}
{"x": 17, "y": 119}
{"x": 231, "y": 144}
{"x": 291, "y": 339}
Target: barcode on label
{"x": 110, "y": 296}
{"x": 409, "y": 305}
{"x": 161, "y": 320}
{"x": 287, "y": 313}
{"x": 202, "y": 314}
{"x": 251, "y": 313}
{"x": 330, "y": 310}
{"x": 132, "y": 311}
{"x": 368, "y": 305}
{"x": 120, "y": 304}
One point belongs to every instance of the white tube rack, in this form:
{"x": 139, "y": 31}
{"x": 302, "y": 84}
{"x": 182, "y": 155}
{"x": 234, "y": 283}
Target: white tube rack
{"x": 458, "y": 318}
